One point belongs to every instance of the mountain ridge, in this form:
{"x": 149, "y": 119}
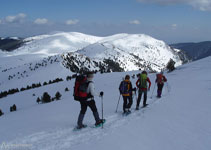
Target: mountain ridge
{"x": 195, "y": 50}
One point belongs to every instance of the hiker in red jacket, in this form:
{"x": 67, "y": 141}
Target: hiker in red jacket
{"x": 141, "y": 83}
{"x": 160, "y": 83}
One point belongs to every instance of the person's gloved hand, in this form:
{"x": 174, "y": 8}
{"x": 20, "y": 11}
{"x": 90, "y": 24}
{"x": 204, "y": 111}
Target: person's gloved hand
{"x": 134, "y": 89}
{"x": 101, "y": 94}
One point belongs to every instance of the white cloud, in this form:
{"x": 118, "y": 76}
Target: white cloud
{"x": 174, "y": 26}
{"x": 17, "y": 18}
{"x": 203, "y": 5}
{"x": 71, "y": 22}
{"x": 135, "y": 22}
{"x": 41, "y": 21}
{"x": 21, "y": 15}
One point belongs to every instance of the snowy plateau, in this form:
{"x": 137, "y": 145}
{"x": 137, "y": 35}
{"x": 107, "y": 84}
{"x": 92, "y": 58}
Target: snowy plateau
{"x": 180, "y": 120}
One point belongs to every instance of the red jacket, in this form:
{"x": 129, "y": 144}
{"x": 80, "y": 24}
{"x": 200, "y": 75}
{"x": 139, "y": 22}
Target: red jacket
{"x": 148, "y": 80}
{"x": 160, "y": 79}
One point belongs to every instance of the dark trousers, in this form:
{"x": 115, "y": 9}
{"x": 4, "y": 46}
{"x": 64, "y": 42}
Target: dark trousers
{"x": 139, "y": 97}
{"x": 160, "y": 88}
{"x": 128, "y": 101}
{"x": 84, "y": 104}
{"x": 91, "y": 104}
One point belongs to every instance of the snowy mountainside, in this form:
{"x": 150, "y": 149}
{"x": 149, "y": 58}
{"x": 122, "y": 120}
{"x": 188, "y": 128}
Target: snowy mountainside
{"x": 131, "y": 52}
{"x": 179, "y": 120}
{"x": 57, "y": 43}
{"x": 39, "y": 47}
{"x": 37, "y": 71}
{"x": 39, "y": 52}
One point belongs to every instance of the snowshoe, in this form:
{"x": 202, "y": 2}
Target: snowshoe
{"x": 100, "y": 123}
{"x": 126, "y": 113}
{"x": 77, "y": 128}
{"x": 145, "y": 105}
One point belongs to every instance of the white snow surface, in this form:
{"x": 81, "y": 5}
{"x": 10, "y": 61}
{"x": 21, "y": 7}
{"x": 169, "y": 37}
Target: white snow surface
{"x": 180, "y": 120}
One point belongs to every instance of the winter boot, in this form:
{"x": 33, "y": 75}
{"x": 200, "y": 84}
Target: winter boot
{"x": 159, "y": 94}
{"x": 144, "y": 105}
{"x": 101, "y": 121}
{"x": 80, "y": 121}
{"x": 137, "y": 107}
{"x": 96, "y": 116}
{"x": 125, "y": 110}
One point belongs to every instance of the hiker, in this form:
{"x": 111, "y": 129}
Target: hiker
{"x": 125, "y": 89}
{"x": 89, "y": 102}
{"x": 1, "y": 113}
{"x": 141, "y": 83}
{"x": 160, "y": 83}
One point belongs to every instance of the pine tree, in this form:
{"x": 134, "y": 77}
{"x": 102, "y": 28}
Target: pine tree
{"x": 1, "y": 113}
{"x": 170, "y": 65}
{"x": 66, "y": 89}
{"x": 46, "y": 98}
{"x": 58, "y": 96}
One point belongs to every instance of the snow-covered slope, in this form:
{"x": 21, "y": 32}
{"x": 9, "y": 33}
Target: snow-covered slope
{"x": 35, "y": 57}
{"x": 180, "y": 120}
{"x": 56, "y": 43}
{"x": 132, "y": 52}
{"x": 39, "y": 47}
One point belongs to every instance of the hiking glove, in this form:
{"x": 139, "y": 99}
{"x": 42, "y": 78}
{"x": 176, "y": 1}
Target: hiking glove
{"x": 101, "y": 93}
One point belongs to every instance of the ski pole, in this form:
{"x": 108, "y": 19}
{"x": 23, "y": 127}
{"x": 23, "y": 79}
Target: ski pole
{"x": 102, "y": 109}
{"x": 136, "y": 95}
{"x": 167, "y": 86}
{"x": 118, "y": 103}
{"x": 152, "y": 91}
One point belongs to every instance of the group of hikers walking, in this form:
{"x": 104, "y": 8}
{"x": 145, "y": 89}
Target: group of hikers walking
{"x": 143, "y": 85}
{"x": 84, "y": 92}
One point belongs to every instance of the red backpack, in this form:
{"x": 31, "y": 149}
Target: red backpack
{"x": 160, "y": 78}
{"x": 80, "y": 88}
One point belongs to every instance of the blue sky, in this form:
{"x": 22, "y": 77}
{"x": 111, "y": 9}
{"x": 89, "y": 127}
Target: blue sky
{"x": 169, "y": 20}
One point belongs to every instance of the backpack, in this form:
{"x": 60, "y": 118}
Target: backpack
{"x": 160, "y": 78}
{"x": 143, "y": 81}
{"x": 124, "y": 87}
{"x": 80, "y": 88}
